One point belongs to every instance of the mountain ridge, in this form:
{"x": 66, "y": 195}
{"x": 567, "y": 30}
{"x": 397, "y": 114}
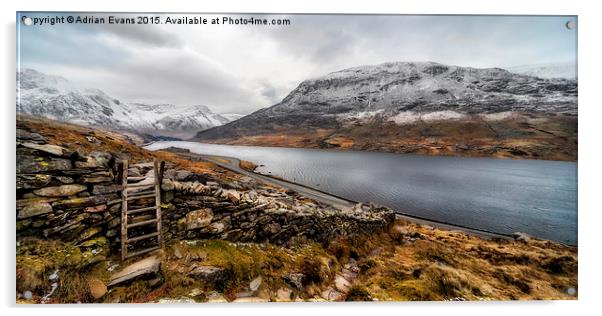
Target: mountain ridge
{"x": 55, "y": 97}
{"x": 400, "y": 100}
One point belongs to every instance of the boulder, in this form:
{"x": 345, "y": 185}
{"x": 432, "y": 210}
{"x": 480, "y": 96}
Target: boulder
{"x": 32, "y": 164}
{"x": 34, "y": 209}
{"x": 63, "y": 190}
{"x": 208, "y": 274}
{"x": 199, "y": 218}
{"x": 97, "y": 288}
{"x": 147, "y": 266}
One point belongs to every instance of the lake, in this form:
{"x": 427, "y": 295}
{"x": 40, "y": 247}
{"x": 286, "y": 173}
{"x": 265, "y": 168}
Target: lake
{"x": 499, "y": 195}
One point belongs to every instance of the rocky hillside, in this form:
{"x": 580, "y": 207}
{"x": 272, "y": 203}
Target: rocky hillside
{"x": 56, "y": 98}
{"x": 408, "y": 105}
{"x": 230, "y": 238}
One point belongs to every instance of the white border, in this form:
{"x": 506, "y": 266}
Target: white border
{"x": 590, "y": 117}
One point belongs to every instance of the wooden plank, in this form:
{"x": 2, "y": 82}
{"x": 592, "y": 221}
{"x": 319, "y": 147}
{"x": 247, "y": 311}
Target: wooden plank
{"x": 138, "y": 197}
{"x": 124, "y": 210}
{"x": 157, "y": 168}
{"x": 140, "y": 185}
{"x": 150, "y": 221}
{"x": 138, "y": 238}
{"x": 143, "y": 192}
{"x": 137, "y": 253}
{"x": 138, "y": 210}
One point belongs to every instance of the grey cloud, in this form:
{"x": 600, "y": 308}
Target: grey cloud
{"x": 145, "y": 34}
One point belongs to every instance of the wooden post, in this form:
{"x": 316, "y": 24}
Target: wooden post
{"x": 124, "y": 210}
{"x": 158, "y": 198}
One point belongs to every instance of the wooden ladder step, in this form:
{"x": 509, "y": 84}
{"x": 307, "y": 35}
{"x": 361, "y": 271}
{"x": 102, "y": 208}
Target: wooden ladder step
{"x": 150, "y": 221}
{"x": 139, "y": 185}
{"x": 144, "y": 192}
{"x": 137, "y": 253}
{"x": 143, "y": 209}
{"x": 138, "y": 238}
{"x": 146, "y": 196}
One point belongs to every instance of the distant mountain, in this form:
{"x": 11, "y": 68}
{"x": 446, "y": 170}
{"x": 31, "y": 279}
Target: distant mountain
{"x": 56, "y": 98}
{"x": 548, "y": 71}
{"x": 404, "y": 92}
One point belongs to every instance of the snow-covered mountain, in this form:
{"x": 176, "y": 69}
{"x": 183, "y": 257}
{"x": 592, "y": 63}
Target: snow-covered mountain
{"x": 548, "y": 71}
{"x": 56, "y": 98}
{"x": 404, "y": 92}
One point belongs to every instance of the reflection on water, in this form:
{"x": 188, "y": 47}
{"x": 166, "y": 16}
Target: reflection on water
{"x": 505, "y": 196}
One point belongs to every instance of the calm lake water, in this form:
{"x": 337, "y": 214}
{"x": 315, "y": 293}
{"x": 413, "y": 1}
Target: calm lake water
{"x": 498, "y": 195}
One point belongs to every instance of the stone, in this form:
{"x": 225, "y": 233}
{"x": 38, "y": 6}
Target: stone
{"x": 199, "y": 218}
{"x": 32, "y": 181}
{"x": 104, "y": 189}
{"x": 143, "y": 267}
{"x": 32, "y": 164}
{"x": 47, "y": 148}
{"x": 283, "y": 295}
{"x": 93, "y": 140}
{"x": 181, "y": 300}
{"x": 331, "y": 294}
{"x": 341, "y": 284}
{"x": 521, "y": 237}
{"x": 89, "y": 233}
{"x": 217, "y": 227}
{"x": 232, "y": 195}
{"x": 65, "y": 180}
{"x": 63, "y": 190}
{"x": 97, "y": 288}
{"x": 295, "y": 279}
{"x": 255, "y": 283}
{"x": 95, "y": 160}
{"x": 95, "y": 209}
{"x": 34, "y": 209}
{"x": 24, "y": 135}
{"x": 250, "y": 300}
{"x": 98, "y": 177}
{"x": 80, "y": 202}
{"x": 215, "y": 297}
{"x": 27, "y": 295}
{"x": 208, "y": 274}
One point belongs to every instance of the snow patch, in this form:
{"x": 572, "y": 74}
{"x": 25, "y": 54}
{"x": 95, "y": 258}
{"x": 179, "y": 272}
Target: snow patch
{"x": 409, "y": 117}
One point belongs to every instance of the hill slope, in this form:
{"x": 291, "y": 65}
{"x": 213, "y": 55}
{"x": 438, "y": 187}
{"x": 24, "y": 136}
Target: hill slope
{"x": 419, "y": 107}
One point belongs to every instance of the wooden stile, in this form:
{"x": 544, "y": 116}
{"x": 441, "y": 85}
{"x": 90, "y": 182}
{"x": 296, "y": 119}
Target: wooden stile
{"x": 128, "y": 247}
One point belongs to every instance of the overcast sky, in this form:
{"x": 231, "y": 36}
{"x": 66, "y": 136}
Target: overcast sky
{"x": 239, "y": 69}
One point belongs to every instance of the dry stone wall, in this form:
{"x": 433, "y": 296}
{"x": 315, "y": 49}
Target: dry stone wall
{"x": 74, "y": 197}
